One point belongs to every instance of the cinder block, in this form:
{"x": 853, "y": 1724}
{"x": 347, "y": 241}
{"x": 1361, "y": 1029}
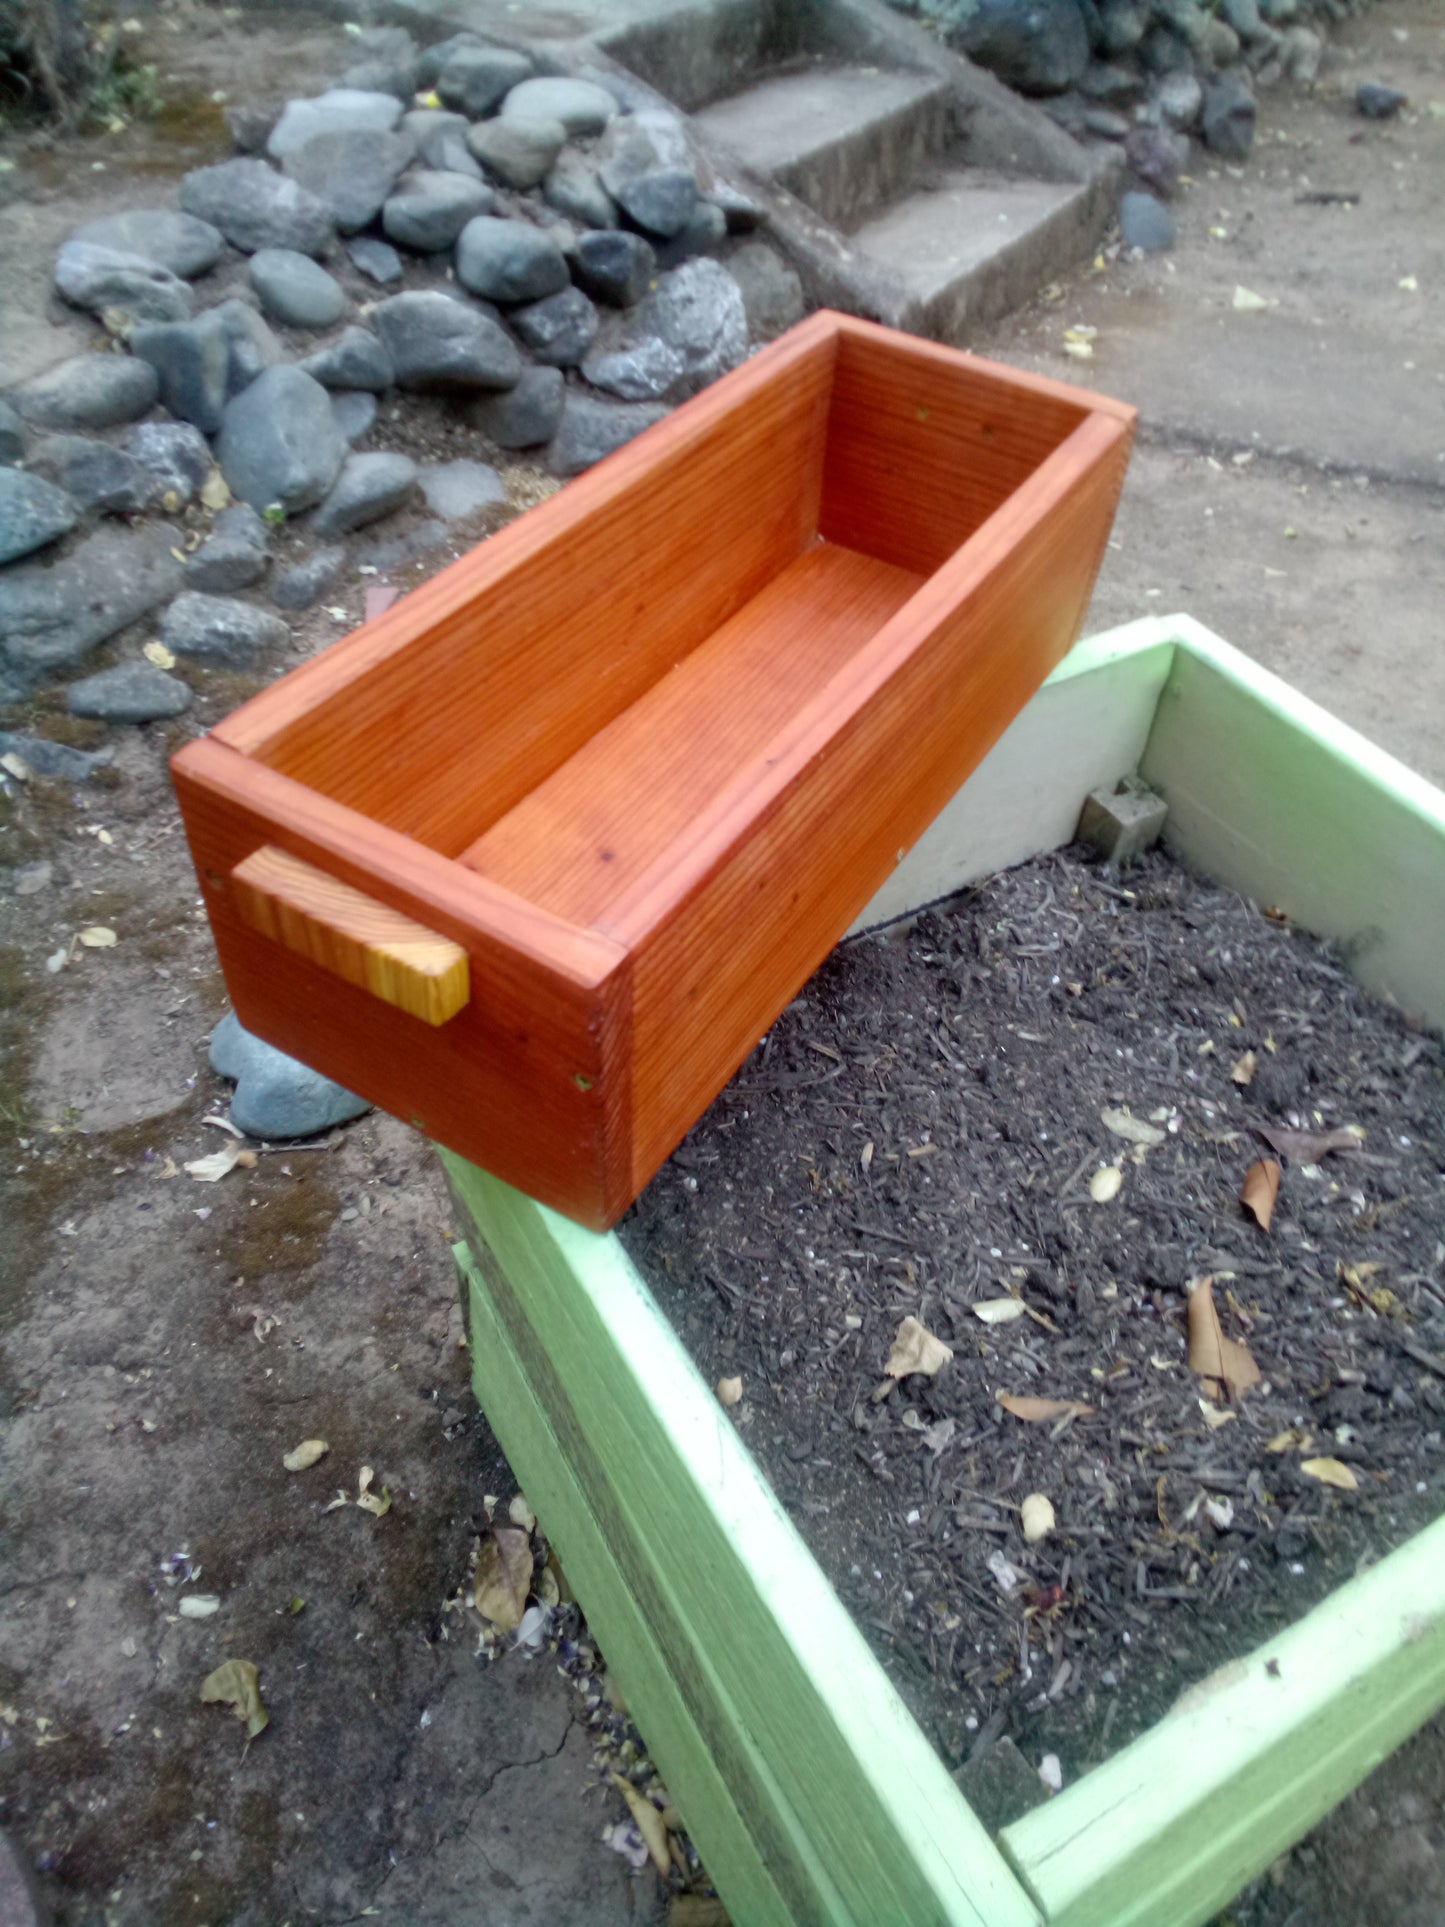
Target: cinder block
{"x": 1122, "y": 823}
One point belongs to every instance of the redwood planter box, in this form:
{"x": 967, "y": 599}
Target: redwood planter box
{"x": 534, "y": 859}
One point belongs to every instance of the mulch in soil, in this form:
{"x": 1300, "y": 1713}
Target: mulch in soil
{"x": 919, "y": 1134}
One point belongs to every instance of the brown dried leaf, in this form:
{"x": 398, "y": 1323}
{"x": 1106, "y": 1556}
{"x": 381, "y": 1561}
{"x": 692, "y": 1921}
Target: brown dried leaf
{"x": 1293, "y": 1440}
{"x": 237, "y": 1684}
{"x": 1213, "y": 1356}
{"x": 1260, "y": 1189}
{"x": 1307, "y": 1147}
{"x": 1039, "y": 1411}
{"x": 1243, "y": 1069}
{"x": 650, "y": 1823}
{"x": 503, "y": 1578}
{"x": 305, "y": 1454}
{"x": 1331, "y": 1472}
{"x": 729, "y": 1391}
{"x": 915, "y": 1349}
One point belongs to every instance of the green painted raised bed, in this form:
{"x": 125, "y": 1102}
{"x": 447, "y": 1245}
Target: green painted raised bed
{"x": 809, "y": 1789}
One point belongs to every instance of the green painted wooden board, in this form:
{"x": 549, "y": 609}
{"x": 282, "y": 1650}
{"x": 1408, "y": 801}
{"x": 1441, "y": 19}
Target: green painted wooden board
{"x": 1166, "y": 1832}
{"x": 739, "y": 1662}
{"x": 810, "y": 1791}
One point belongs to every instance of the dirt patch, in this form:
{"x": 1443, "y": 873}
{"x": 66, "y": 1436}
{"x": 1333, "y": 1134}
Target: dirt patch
{"x": 919, "y": 1136}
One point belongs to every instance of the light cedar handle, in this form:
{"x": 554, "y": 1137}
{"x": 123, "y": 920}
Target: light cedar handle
{"x": 370, "y": 945}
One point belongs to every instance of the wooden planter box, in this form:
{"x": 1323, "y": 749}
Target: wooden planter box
{"x": 534, "y": 859}
{"x": 811, "y": 1792}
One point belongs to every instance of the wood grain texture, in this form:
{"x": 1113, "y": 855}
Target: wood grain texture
{"x": 534, "y": 1073}
{"x": 484, "y": 680}
{"x": 678, "y": 724}
{"x": 779, "y": 867}
{"x": 735, "y": 1653}
{"x": 393, "y": 956}
{"x": 632, "y": 793}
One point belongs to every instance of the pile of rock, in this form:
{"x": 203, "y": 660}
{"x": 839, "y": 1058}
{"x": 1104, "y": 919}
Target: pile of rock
{"x": 446, "y": 222}
{"x": 1149, "y": 74}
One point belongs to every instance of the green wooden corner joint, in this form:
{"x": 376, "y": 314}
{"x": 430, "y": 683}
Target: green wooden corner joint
{"x": 1166, "y": 1832}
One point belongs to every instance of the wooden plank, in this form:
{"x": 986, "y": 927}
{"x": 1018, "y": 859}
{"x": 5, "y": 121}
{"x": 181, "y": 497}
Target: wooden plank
{"x": 532, "y": 1076}
{"x": 440, "y": 716}
{"x": 1171, "y": 1828}
{"x": 1260, "y": 782}
{"x": 616, "y": 808}
{"x": 1088, "y": 726}
{"x": 844, "y": 1802}
{"x": 924, "y": 447}
{"x": 394, "y": 957}
{"x": 585, "y": 1541}
{"x": 798, "y": 845}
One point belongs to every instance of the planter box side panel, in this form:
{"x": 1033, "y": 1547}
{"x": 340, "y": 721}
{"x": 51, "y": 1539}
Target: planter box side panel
{"x": 529, "y": 1077}
{"x": 510, "y": 660}
{"x": 1087, "y": 727}
{"x": 1274, "y": 797}
{"x": 844, "y": 1803}
{"x": 924, "y": 446}
{"x": 1172, "y": 1827}
{"x": 716, "y": 965}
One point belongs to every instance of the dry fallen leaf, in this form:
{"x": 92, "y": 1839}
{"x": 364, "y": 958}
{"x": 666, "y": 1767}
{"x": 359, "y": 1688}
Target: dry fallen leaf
{"x": 378, "y": 1503}
{"x": 1259, "y": 1191}
{"x": 1037, "y": 1517}
{"x": 503, "y": 1577}
{"x": 1331, "y": 1472}
{"x": 1106, "y": 1184}
{"x": 199, "y": 1605}
{"x": 157, "y": 653}
{"x": 521, "y": 1514}
{"x": 1212, "y": 1415}
{"x": 1244, "y": 1068}
{"x": 650, "y": 1823}
{"x": 237, "y": 1684}
{"x": 915, "y": 1349}
{"x": 95, "y": 936}
{"x": 210, "y": 1170}
{"x": 214, "y": 492}
{"x": 1293, "y": 1440}
{"x": 1308, "y": 1147}
{"x": 1221, "y": 1360}
{"x": 999, "y": 1311}
{"x": 305, "y": 1454}
{"x": 729, "y": 1391}
{"x": 1246, "y": 302}
{"x": 1133, "y": 1129}
{"x": 1038, "y": 1411}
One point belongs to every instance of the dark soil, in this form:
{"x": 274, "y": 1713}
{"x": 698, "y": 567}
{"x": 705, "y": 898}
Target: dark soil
{"x": 917, "y": 1135}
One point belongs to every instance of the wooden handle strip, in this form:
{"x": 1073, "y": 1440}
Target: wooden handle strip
{"x": 377, "y": 948}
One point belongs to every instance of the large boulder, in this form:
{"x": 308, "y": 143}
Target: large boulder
{"x": 88, "y": 391}
{"x": 179, "y": 242}
{"x": 509, "y": 260}
{"x": 1035, "y": 46}
{"x": 350, "y": 172}
{"x": 428, "y": 208}
{"x": 97, "y": 278}
{"x": 201, "y": 364}
{"x": 296, "y": 291}
{"x": 279, "y": 441}
{"x": 255, "y": 207}
{"x": 33, "y": 511}
{"x": 646, "y": 166}
{"x": 438, "y": 343}
{"x": 342, "y": 109}
{"x": 51, "y": 615}
{"x": 692, "y": 328}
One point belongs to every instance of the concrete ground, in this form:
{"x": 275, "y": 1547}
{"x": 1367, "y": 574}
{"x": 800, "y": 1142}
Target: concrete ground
{"x": 1289, "y": 484}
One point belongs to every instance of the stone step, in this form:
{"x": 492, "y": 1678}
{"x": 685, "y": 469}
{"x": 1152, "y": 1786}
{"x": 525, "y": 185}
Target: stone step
{"x": 844, "y": 139}
{"x": 968, "y": 247}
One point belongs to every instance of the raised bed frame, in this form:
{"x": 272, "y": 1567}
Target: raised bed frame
{"x": 812, "y": 1794}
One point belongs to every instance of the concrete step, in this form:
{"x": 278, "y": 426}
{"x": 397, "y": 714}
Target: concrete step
{"x": 967, "y": 247}
{"x": 844, "y": 139}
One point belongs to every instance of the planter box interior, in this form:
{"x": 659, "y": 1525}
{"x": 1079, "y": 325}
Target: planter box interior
{"x": 536, "y": 857}
{"x": 809, "y": 1789}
